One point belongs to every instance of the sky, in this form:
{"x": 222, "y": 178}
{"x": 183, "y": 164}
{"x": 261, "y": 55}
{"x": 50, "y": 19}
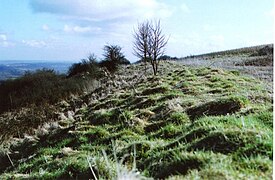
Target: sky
{"x": 70, "y": 30}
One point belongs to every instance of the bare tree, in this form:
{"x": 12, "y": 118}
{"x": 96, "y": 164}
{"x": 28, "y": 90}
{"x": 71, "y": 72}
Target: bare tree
{"x": 149, "y": 43}
{"x": 157, "y": 42}
{"x": 141, "y": 36}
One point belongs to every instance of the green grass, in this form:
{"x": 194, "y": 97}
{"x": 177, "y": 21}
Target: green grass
{"x": 195, "y": 123}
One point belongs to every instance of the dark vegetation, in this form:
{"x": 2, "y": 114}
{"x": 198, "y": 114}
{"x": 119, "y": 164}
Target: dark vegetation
{"x": 260, "y": 57}
{"x": 47, "y": 87}
{"x": 89, "y": 65}
{"x": 166, "y": 57}
{"x": 266, "y": 50}
{"x": 112, "y": 58}
{"x": 37, "y": 88}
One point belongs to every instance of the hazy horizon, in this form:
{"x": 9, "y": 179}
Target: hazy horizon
{"x": 70, "y": 30}
{"x": 39, "y": 61}
{"x": 78, "y": 60}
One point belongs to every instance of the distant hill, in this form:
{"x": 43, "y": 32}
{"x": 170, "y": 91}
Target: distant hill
{"x": 7, "y": 72}
{"x": 14, "y": 69}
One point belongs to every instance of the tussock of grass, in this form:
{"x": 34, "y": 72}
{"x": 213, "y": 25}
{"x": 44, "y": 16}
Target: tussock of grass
{"x": 169, "y": 131}
{"x": 218, "y": 107}
{"x": 160, "y": 89}
{"x": 178, "y": 118}
{"x": 107, "y": 104}
{"x": 163, "y": 165}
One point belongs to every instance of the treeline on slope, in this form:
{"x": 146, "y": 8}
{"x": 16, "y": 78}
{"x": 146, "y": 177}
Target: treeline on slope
{"x": 45, "y": 86}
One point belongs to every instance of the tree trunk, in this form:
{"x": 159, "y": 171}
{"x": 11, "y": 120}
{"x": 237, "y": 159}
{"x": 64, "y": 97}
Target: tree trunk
{"x": 145, "y": 64}
{"x": 154, "y": 68}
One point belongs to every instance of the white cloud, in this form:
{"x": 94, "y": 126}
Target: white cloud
{"x": 270, "y": 13}
{"x": 45, "y": 27}
{"x": 184, "y": 8}
{"x": 208, "y": 27}
{"x": 3, "y": 37}
{"x": 34, "y": 43}
{"x": 103, "y": 21}
{"x": 99, "y": 10}
{"x": 4, "y": 42}
{"x": 81, "y": 29}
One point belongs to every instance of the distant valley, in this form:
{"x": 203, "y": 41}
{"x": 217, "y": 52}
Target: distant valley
{"x": 10, "y": 69}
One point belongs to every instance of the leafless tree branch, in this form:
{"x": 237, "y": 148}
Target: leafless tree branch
{"x": 149, "y": 43}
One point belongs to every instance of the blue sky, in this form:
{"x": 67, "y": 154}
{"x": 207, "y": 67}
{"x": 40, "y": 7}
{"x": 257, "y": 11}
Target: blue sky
{"x": 71, "y": 29}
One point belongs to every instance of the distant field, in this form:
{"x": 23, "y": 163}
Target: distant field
{"x": 14, "y": 69}
{"x": 256, "y": 61}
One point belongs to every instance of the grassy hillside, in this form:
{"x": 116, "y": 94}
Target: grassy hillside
{"x": 185, "y": 123}
{"x": 256, "y": 61}
{"x": 259, "y": 50}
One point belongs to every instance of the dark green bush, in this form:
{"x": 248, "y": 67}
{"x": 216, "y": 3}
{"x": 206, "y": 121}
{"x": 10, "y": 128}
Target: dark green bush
{"x": 89, "y": 65}
{"x": 111, "y": 66}
{"x": 37, "y": 88}
{"x": 113, "y": 57}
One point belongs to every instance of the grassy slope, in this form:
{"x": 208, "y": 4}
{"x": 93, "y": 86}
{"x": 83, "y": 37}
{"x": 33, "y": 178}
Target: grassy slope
{"x": 240, "y": 51}
{"x": 185, "y": 123}
{"x": 255, "y": 61}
